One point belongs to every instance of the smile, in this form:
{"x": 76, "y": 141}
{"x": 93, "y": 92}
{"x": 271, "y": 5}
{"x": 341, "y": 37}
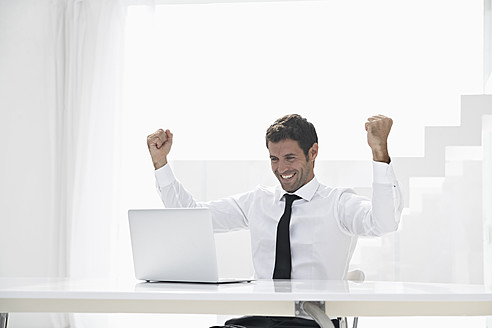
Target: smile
{"x": 287, "y": 177}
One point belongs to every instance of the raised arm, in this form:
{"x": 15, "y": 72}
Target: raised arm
{"x": 361, "y": 216}
{"x": 227, "y": 213}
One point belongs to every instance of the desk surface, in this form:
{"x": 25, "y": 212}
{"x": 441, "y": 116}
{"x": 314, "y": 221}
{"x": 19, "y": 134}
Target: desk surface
{"x": 262, "y": 297}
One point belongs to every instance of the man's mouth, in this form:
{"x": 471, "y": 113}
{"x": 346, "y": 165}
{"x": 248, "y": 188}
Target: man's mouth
{"x": 287, "y": 176}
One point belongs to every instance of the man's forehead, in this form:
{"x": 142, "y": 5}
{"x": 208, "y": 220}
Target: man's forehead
{"x": 284, "y": 147}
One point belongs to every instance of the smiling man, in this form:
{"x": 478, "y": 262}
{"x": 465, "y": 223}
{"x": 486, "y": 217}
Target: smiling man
{"x": 300, "y": 229}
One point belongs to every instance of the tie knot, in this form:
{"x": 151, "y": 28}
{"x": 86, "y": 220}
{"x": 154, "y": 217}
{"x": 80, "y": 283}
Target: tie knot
{"x": 291, "y": 198}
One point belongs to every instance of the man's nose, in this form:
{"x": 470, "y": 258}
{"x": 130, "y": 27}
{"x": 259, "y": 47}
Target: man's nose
{"x": 282, "y": 167}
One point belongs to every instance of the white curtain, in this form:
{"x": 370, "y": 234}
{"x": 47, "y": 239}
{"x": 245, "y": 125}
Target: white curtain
{"x": 88, "y": 59}
{"x": 487, "y": 46}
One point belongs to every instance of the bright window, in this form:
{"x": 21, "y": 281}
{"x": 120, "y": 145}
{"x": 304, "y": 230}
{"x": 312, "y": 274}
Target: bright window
{"x": 218, "y": 75}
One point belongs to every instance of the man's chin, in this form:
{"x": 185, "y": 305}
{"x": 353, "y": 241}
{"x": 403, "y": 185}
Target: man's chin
{"x": 288, "y": 188}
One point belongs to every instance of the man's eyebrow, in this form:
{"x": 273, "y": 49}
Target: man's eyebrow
{"x": 286, "y": 155}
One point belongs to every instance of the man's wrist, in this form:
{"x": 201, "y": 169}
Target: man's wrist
{"x": 158, "y": 165}
{"x": 381, "y": 155}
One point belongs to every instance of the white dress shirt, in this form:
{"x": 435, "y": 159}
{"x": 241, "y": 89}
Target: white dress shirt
{"x": 324, "y": 224}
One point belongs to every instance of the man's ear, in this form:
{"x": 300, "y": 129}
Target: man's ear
{"x": 313, "y": 152}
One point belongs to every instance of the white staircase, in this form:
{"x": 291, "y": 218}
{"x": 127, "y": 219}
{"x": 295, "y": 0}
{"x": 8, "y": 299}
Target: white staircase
{"x": 443, "y": 235}
{"x": 437, "y": 138}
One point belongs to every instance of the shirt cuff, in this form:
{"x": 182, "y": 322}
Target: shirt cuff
{"x": 383, "y": 173}
{"x": 164, "y": 176}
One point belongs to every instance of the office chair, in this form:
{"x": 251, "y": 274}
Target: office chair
{"x": 320, "y": 316}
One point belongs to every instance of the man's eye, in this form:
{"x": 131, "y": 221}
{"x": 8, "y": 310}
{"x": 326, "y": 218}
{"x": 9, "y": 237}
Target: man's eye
{"x": 290, "y": 158}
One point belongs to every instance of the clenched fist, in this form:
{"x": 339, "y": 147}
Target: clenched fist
{"x": 378, "y": 128}
{"x": 159, "y": 144}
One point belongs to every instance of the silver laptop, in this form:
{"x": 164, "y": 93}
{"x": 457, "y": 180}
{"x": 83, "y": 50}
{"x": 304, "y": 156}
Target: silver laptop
{"x": 174, "y": 245}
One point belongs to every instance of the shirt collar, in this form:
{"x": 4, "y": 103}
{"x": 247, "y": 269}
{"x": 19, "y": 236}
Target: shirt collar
{"x": 306, "y": 192}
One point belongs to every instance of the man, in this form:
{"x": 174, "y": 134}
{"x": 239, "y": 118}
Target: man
{"x": 300, "y": 229}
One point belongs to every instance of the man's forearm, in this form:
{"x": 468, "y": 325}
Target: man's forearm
{"x": 386, "y": 199}
{"x": 172, "y": 193}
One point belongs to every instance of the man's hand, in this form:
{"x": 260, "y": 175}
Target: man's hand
{"x": 159, "y": 144}
{"x": 378, "y": 128}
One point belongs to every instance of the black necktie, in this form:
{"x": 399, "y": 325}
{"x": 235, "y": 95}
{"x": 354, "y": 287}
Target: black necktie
{"x": 283, "y": 264}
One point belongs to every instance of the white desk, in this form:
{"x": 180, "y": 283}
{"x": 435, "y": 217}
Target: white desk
{"x": 266, "y": 297}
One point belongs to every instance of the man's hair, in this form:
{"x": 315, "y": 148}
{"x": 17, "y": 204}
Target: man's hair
{"x": 293, "y": 127}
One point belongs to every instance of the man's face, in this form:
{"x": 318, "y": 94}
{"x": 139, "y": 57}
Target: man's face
{"x": 290, "y": 165}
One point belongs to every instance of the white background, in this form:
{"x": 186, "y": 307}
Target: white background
{"x": 218, "y": 75}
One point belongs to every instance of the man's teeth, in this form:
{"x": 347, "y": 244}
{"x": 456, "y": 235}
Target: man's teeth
{"x": 287, "y": 176}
